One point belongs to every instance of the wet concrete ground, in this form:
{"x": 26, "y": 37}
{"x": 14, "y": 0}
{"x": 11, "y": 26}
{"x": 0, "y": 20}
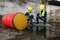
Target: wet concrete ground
{"x": 12, "y": 34}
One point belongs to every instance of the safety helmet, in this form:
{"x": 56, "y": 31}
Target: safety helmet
{"x": 42, "y": 6}
{"x": 30, "y": 8}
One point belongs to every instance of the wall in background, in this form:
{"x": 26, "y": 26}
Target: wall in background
{"x": 11, "y": 7}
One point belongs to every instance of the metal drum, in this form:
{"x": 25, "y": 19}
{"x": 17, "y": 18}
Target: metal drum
{"x": 18, "y": 21}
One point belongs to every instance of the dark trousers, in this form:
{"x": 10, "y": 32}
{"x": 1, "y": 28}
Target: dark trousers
{"x": 41, "y": 18}
{"x": 31, "y": 24}
{"x": 43, "y": 31}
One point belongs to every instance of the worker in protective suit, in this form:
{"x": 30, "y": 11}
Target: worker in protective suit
{"x": 29, "y": 16}
{"x": 29, "y": 13}
{"x": 42, "y": 14}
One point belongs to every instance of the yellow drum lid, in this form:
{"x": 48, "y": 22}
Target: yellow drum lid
{"x": 20, "y": 21}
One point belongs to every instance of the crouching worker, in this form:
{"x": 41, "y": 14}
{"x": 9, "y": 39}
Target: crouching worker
{"x": 42, "y": 14}
{"x": 29, "y": 17}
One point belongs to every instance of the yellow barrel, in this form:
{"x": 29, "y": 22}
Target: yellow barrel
{"x": 20, "y": 21}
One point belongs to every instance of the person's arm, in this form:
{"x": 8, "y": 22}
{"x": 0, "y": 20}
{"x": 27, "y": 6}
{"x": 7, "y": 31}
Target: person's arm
{"x": 37, "y": 14}
{"x": 26, "y": 14}
{"x": 32, "y": 17}
{"x": 45, "y": 14}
